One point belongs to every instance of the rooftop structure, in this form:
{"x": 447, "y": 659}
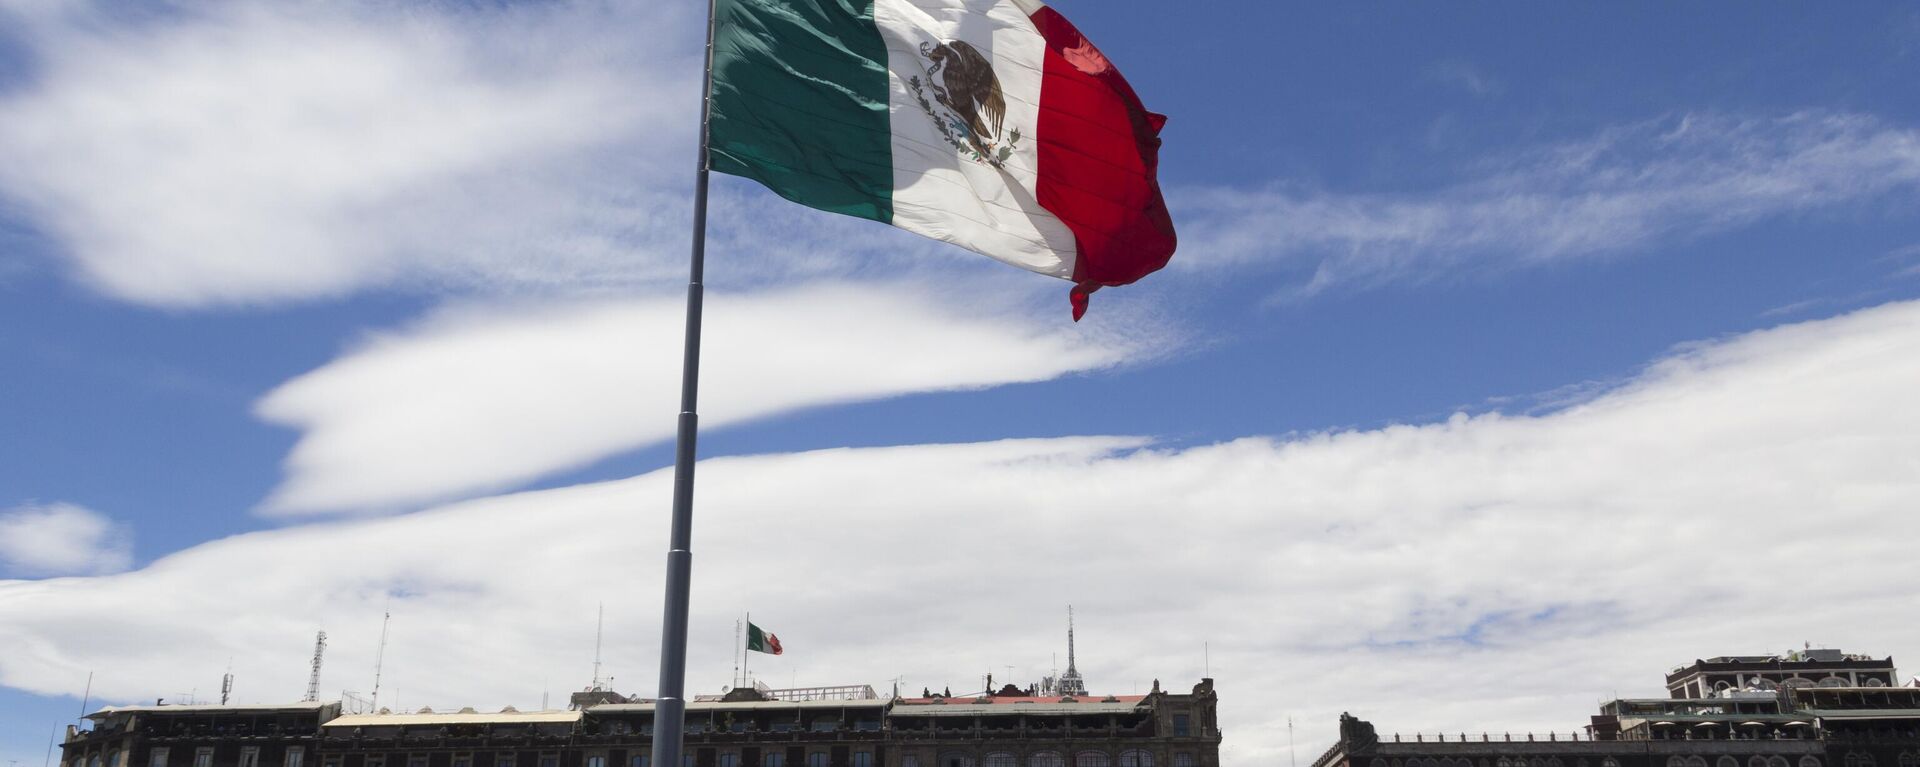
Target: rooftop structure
{"x": 1811, "y": 667}
{"x": 1070, "y": 683}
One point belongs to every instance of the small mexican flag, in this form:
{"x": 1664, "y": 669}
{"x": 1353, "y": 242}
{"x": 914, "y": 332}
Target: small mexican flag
{"x": 761, "y": 640}
{"x": 991, "y": 124}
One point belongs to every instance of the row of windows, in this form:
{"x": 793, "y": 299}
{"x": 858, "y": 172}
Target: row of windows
{"x": 203, "y": 757}
{"x": 1673, "y": 761}
{"x": 296, "y": 757}
{"x": 1128, "y": 758}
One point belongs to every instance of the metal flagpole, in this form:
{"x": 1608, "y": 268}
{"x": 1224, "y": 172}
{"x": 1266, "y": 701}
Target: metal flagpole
{"x": 670, "y": 706}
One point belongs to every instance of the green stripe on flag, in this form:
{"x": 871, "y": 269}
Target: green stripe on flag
{"x": 800, "y": 102}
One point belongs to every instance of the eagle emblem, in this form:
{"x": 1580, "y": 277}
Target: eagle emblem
{"x": 966, "y": 102}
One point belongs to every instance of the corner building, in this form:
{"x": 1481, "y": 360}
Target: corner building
{"x": 1818, "y": 709}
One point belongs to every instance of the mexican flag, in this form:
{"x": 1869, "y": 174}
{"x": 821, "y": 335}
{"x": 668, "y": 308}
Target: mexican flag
{"x": 761, "y": 640}
{"x": 990, "y": 124}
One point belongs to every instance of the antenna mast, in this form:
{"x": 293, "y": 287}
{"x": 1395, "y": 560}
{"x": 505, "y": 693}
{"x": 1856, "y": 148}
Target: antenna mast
{"x": 380, "y": 658}
{"x": 313, "y": 680}
{"x": 226, "y": 683}
{"x": 599, "y": 626}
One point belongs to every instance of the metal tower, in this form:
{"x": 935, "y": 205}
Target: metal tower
{"x": 313, "y": 681}
{"x": 1070, "y": 682}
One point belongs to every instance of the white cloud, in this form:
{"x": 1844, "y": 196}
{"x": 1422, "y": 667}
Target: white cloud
{"x": 1628, "y": 188}
{"x": 266, "y": 152}
{"x": 61, "y": 539}
{"x": 256, "y": 152}
{"x": 1484, "y": 572}
{"x": 486, "y": 398}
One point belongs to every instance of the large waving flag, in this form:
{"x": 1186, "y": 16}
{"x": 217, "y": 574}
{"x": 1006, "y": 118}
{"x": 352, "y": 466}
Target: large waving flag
{"x": 990, "y": 124}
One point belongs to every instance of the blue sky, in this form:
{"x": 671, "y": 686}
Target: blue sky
{"x": 234, "y": 241}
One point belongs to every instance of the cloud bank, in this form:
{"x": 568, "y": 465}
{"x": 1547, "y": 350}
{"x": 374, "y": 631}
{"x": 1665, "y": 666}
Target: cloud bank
{"x": 1501, "y": 571}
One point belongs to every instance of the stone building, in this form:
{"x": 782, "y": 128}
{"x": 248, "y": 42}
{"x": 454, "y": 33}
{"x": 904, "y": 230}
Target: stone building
{"x": 1008, "y": 728}
{"x": 1768, "y": 721}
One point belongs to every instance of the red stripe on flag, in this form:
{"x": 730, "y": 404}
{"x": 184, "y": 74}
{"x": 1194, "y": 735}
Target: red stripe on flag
{"x": 1099, "y": 163}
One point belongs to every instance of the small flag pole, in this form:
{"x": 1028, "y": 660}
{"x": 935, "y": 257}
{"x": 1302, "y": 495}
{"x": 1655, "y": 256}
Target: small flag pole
{"x": 670, "y": 706}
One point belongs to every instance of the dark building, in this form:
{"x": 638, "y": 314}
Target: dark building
{"x": 1809, "y": 668}
{"x": 1010, "y": 728}
{"x": 199, "y": 736}
{"x": 1784, "y": 712}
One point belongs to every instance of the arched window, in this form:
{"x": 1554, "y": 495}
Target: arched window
{"x": 1767, "y": 684}
{"x": 1090, "y": 759}
{"x": 1696, "y": 761}
{"x": 1833, "y": 681}
{"x": 999, "y": 759}
{"x": 1873, "y": 683}
{"x": 1756, "y": 761}
{"x": 1809, "y": 761}
{"x": 1859, "y": 759}
{"x": 1134, "y": 757}
{"x": 1909, "y": 759}
{"x": 955, "y": 759}
{"x": 1046, "y": 759}
{"x": 1377, "y": 762}
{"x": 1676, "y": 761}
{"x": 1778, "y": 761}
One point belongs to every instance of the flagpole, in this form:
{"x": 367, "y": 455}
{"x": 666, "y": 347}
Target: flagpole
{"x": 670, "y": 706}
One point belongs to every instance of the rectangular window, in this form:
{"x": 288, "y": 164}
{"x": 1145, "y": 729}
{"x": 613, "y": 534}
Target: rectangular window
{"x": 250, "y": 756}
{"x": 203, "y": 757}
{"x": 331, "y": 761}
{"x": 597, "y": 760}
{"x": 863, "y": 759}
{"x": 1183, "y": 759}
{"x": 729, "y": 760}
{"x": 1182, "y": 725}
{"x": 413, "y": 760}
{"x": 825, "y": 725}
{"x": 773, "y": 760}
{"x": 549, "y": 760}
{"x": 640, "y": 760}
{"x": 157, "y": 757}
{"x": 463, "y": 760}
{"x": 910, "y": 760}
{"x": 686, "y": 760}
{"x": 503, "y": 760}
{"x": 296, "y": 756}
{"x": 817, "y": 759}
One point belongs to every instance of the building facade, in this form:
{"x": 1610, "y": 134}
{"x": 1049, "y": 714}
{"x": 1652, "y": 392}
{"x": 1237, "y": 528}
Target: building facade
{"x": 1008, "y": 728}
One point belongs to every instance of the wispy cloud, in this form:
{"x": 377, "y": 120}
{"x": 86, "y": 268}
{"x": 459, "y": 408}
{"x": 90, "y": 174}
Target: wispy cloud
{"x": 484, "y": 398}
{"x": 39, "y": 540}
{"x": 1492, "y": 568}
{"x": 1464, "y": 75}
{"x": 1628, "y": 188}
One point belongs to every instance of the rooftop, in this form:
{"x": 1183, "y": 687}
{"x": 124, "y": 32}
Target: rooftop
{"x": 215, "y": 708}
